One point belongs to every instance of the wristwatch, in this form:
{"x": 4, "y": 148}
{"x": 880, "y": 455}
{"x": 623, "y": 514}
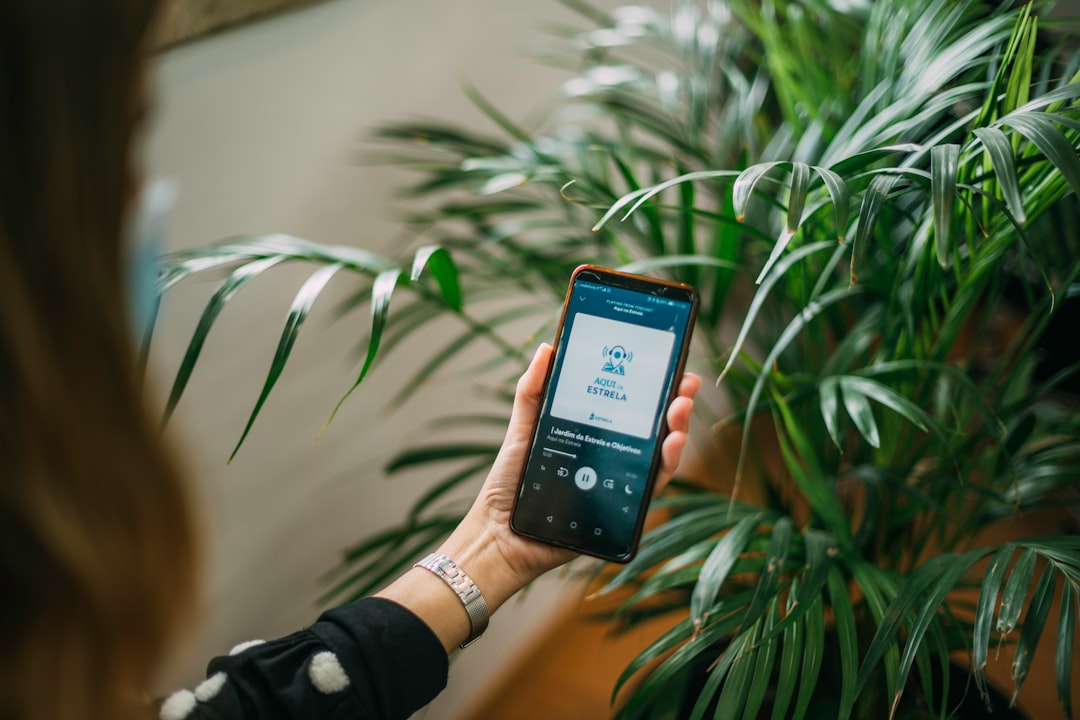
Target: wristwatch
{"x": 471, "y": 597}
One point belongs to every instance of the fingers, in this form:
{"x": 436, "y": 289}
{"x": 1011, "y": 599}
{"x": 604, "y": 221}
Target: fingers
{"x": 678, "y": 422}
{"x": 689, "y": 385}
{"x": 678, "y": 414}
{"x": 671, "y": 453}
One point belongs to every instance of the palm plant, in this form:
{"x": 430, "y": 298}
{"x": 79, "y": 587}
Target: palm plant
{"x": 868, "y": 188}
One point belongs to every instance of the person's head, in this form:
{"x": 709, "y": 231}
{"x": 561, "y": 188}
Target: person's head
{"x": 97, "y": 556}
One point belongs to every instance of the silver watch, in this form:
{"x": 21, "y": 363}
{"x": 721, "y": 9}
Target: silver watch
{"x": 466, "y": 589}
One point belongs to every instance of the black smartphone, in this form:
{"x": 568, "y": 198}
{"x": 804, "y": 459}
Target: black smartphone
{"x": 619, "y": 355}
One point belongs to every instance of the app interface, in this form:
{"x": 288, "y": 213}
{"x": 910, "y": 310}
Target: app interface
{"x": 586, "y": 478}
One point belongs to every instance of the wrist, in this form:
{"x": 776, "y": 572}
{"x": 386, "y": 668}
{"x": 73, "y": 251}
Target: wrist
{"x": 478, "y": 550}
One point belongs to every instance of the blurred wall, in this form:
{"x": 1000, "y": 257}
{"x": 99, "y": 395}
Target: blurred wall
{"x": 261, "y": 127}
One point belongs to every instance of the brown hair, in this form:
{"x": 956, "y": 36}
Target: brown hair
{"x": 97, "y": 556}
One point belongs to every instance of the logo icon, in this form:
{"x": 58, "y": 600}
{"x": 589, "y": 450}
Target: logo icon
{"x": 616, "y": 359}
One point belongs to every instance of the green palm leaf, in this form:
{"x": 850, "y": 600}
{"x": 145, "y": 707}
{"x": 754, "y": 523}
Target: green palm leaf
{"x": 791, "y": 657}
{"x": 858, "y": 408}
{"x": 717, "y": 566}
{"x": 638, "y": 198}
{"x": 878, "y": 588}
{"x": 830, "y": 412}
{"x": 845, "y": 632}
{"x": 818, "y": 546}
{"x": 650, "y": 265}
{"x": 814, "y": 648}
{"x": 762, "y": 295}
{"x": 769, "y": 578}
{"x": 239, "y": 277}
{"x": 1000, "y": 150}
{"x": 733, "y": 695}
{"x": 1034, "y": 621}
{"x": 745, "y": 184}
{"x": 988, "y": 597}
{"x": 677, "y": 661}
{"x": 840, "y": 197}
{"x": 298, "y": 312}
{"x": 256, "y": 254}
{"x": 872, "y": 203}
{"x": 920, "y": 595}
{"x": 438, "y": 261}
{"x": 1012, "y": 597}
{"x": 766, "y": 659}
{"x": 1065, "y": 639}
{"x": 717, "y": 674}
{"x": 699, "y": 523}
{"x": 944, "y": 161}
{"x": 1045, "y": 135}
{"x": 808, "y": 477}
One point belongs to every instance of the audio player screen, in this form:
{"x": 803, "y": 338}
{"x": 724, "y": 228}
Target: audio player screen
{"x": 587, "y": 477}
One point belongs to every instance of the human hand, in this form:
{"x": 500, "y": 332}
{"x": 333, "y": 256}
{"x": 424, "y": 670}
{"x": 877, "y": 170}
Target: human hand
{"x": 483, "y": 546}
{"x": 503, "y": 562}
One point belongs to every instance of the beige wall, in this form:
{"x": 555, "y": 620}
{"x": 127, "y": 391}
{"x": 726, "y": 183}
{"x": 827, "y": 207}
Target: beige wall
{"x": 260, "y": 126}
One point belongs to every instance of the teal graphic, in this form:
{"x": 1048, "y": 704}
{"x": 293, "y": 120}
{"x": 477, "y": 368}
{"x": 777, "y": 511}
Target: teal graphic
{"x": 615, "y": 359}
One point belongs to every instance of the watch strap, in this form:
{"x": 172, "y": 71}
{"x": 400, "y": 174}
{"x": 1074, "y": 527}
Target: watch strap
{"x": 470, "y": 595}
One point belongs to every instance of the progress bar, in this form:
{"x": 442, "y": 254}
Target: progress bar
{"x": 560, "y": 452}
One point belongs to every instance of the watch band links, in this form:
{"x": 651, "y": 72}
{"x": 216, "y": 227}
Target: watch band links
{"x": 470, "y": 595}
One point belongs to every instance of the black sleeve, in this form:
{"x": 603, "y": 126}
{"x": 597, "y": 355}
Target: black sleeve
{"x": 371, "y": 659}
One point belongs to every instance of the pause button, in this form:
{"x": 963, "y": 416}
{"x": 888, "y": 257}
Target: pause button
{"x": 585, "y": 478}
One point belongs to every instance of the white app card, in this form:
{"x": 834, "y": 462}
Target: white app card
{"x": 612, "y": 375}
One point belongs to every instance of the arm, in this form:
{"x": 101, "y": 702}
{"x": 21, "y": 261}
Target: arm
{"x": 386, "y": 656}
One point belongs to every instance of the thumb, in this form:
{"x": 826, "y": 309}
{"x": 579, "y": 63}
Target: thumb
{"x": 527, "y": 396}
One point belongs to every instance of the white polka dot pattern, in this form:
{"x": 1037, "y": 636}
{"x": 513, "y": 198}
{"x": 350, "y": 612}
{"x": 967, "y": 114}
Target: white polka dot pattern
{"x": 178, "y": 705}
{"x": 326, "y": 673}
{"x": 245, "y": 645}
{"x": 210, "y": 687}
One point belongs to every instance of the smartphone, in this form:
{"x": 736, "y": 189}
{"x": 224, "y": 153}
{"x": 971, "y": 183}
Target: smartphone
{"x": 620, "y": 350}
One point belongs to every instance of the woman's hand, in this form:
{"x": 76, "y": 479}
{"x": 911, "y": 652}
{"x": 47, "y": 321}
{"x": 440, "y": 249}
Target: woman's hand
{"x": 483, "y": 546}
{"x": 520, "y": 559}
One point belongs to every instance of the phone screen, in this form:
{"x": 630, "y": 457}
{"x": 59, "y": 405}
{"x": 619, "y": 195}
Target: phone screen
{"x": 619, "y": 352}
